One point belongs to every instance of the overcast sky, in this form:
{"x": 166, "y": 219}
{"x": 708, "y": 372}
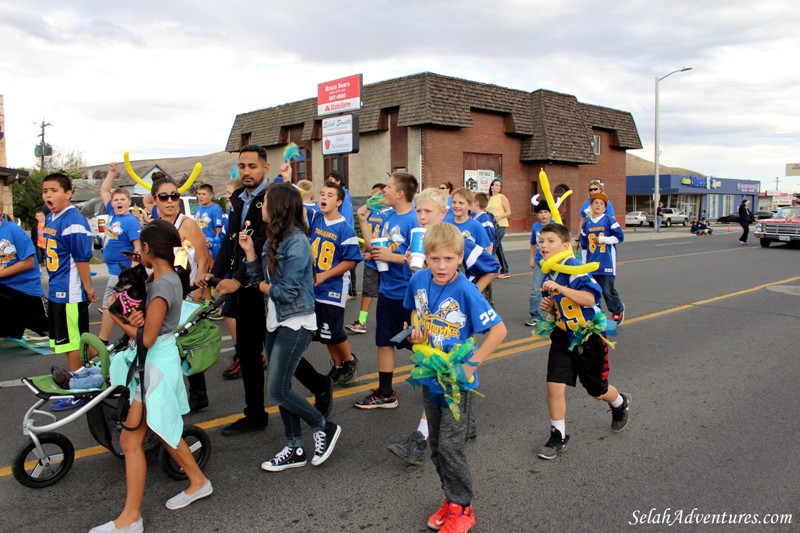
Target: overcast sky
{"x": 167, "y": 78}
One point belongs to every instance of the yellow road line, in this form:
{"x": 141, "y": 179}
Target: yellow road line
{"x": 402, "y": 373}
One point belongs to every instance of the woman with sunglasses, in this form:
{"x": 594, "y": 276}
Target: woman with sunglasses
{"x": 595, "y": 186}
{"x": 167, "y": 201}
{"x": 448, "y": 188}
{"x": 501, "y": 209}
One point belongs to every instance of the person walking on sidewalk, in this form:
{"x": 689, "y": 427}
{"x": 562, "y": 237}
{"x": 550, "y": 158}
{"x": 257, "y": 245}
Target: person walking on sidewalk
{"x": 501, "y": 209}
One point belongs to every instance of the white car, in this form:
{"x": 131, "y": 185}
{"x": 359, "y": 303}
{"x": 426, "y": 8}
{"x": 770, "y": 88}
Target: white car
{"x": 636, "y": 218}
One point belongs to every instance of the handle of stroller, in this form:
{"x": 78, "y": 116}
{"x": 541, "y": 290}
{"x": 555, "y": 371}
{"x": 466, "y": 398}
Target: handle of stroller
{"x": 89, "y": 340}
{"x": 213, "y": 282}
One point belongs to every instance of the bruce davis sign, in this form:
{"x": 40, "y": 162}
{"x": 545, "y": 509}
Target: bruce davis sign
{"x": 340, "y": 135}
{"x": 339, "y": 96}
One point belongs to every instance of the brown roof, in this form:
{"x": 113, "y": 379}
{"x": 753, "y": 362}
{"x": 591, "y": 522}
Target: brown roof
{"x": 554, "y": 126}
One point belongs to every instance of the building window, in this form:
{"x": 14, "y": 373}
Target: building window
{"x": 336, "y": 162}
{"x": 244, "y": 140}
{"x": 596, "y": 144}
{"x": 300, "y": 169}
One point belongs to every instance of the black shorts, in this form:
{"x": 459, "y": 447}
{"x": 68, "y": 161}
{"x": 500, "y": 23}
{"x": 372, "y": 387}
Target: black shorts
{"x": 330, "y": 323}
{"x": 371, "y": 283}
{"x": 391, "y": 318}
{"x": 67, "y": 322}
{"x": 591, "y": 366}
{"x": 229, "y": 306}
{"x": 19, "y": 311}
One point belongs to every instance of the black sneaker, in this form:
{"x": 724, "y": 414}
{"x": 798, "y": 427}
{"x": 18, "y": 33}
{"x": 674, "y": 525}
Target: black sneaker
{"x": 61, "y": 376}
{"x": 531, "y": 322}
{"x": 348, "y": 370}
{"x": 412, "y": 449}
{"x": 554, "y": 446}
{"x": 335, "y": 372}
{"x": 234, "y": 370}
{"x": 286, "y": 458}
{"x": 243, "y": 425}
{"x": 324, "y": 442}
{"x": 619, "y": 415}
{"x": 323, "y": 402}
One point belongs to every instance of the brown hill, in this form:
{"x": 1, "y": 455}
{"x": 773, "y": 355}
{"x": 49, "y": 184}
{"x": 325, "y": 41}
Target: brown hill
{"x": 636, "y": 166}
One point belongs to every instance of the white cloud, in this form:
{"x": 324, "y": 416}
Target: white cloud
{"x": 167, "y": 78}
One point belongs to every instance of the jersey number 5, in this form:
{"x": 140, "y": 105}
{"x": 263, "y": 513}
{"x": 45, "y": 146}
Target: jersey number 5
{"x": 52, "y": 256}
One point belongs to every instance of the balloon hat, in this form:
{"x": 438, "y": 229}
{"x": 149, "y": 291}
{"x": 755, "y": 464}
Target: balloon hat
{"x": 185, "y": 187}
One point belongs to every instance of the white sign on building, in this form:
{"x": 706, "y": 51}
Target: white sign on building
{"x": 478, "y": 180}
{"x": 793, "y": 169}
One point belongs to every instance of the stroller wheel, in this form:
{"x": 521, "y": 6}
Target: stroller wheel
{"x": 200, "y": 445}
{"x": 37, "y": 471}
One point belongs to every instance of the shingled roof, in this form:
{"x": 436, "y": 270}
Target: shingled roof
{"x": 554, "y": 126}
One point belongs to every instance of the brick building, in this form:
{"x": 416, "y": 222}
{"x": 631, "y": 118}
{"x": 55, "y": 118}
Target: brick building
{"x": 442, "y": 129}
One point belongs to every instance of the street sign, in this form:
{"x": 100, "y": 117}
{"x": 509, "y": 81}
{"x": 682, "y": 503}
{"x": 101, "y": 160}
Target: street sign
{"x": 340, "y": 135}
{"x": 339, "y": 96}
{"x": 793, "y": 169}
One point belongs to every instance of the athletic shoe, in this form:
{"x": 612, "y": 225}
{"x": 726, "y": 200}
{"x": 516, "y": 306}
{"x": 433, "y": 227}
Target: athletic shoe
{"x": 67, "y": 404}
{"x": 620, "y": 415}
{"x": 412, "y": 450}
{"x": 61, "y": 377}
{"x": 742, "y": 242}
{"x": 244, "y": 425}
{"x": 348, "y": 370}
{"x": 436, "y": 520}
{"x": 334, "y": 372}
{"x": 458, "y": 519}
{"x": 234, "y": 370}
{"x": 375, "y": 401}
{"x": 531, "y": 322}
{"x": 554, "y": 446}
{"x": 324, "y": 442}
{"x": 504, "y": 276}
{"x": 323, "y": 402}
{"x": 619, "y": 318}
{"x": 357, "y": 327}
{"x": 285, "y": 459}
{"x": 216, "y": 315}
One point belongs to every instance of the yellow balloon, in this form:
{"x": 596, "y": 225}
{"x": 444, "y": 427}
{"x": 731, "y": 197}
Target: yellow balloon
{"x": 548, "y": 195}
{"x": 554, "y": 263}
{"x": 193, "y": 176}
{"x": 185, "y": 187}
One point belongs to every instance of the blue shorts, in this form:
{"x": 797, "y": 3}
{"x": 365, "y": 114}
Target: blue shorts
{"x": 391, "y": 317}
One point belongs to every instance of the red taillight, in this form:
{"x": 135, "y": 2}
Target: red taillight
{"x": 101, "y": 225}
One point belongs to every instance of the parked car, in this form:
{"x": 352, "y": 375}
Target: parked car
{"x": 784, "y": 227}
{"x": 671, "y": 216}
{"x": 763, "y": 215}
{"x": 96, "y": 213}
{"x": 733, "y": 218}
{"x": 636, "y": 218}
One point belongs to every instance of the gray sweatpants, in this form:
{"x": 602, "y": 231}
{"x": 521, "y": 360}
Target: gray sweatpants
{"x": 447, "y": 440}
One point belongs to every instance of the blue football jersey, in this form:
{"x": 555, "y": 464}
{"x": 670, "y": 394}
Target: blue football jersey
{"x": 488, "y": 225}
{"x": 471, "y": 229}
{"x": 16, "y": 246}
{"x": 570, "y": 315}
{"x": 592, "y": 233}
{"x": 68, "y": 240}
{"x": 333, "y": 241}
{"x": 397, "y": 229}
{"x": 209, "y": 218}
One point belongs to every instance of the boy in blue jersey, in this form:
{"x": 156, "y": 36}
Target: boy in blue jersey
{"x": 120, "y": 236}
{"x": 372, "y": 280}
{"x": 22, "y": 303}
{"x": 307, "y": 188}
{"x": 208, "y": 216}
{"x": 458, "y": 216}
{"x": 391, "y": 315}
{"x": 545, "y": 217}
{"x": 451, "y": 310}
{"x": 488, "y": 222}
{"x": 336, "y": 251}
{"x": 69, "y": 248}
{"x": 480, "y": 267}
{"x": 600, "y": 235}
{"x": 574, "y": 300}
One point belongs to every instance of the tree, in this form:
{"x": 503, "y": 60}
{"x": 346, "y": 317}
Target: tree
{"x": 68, "y": 162}
{"x": 28, "y": 196}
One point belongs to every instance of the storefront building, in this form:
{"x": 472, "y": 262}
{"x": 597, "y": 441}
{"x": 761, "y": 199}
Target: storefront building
{"x": 694, "y": 195}
{"x": 444, "y": 129}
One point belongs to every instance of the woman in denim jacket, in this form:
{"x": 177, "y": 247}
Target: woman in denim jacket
{"x": 284, "y": 274}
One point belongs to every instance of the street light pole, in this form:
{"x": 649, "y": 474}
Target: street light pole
{"x": 656, "y": 186}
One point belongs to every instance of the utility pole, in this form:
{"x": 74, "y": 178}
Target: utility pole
{"x": 777, "y": 180}
{"x": 43, "y": 146}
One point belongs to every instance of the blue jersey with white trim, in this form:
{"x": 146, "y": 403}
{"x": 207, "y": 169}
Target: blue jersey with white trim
{"x": 599, "y": 237}
{"x": 471, "y": 229}
{"x": 333, "y": 241}
{"x": 68, "y": 241}
{"x": 570, "y": 315}
{"x": 477, "y": 262}
{"x": 488, "y": 225}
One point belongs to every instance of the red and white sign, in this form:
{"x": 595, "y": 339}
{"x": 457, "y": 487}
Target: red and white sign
{"x": 340, "y": 135}
{"x": 339, "y": 96}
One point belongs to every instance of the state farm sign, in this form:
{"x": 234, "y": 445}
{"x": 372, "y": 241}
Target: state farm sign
{"x": 340, "y": 135}
{"x": 339, "y": 96}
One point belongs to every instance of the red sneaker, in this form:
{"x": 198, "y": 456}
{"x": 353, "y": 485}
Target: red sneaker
{"x": 437, "y": 519}
{"x": 458, "y": 520}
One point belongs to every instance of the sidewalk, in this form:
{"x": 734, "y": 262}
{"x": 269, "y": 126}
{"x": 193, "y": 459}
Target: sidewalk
{"x": 521, "y": 241}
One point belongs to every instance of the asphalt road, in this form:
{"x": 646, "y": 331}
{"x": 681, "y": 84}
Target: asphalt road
{"x": 707, "y": 352}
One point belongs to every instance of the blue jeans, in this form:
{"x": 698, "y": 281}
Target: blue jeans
{"x": 536, "y": 291}
{"x": 613, "y": 303}
{"x": 87, "y": 378}
{"x": 659, "y": 220}
{"x": 285, "y": 348}
{"x": 501, "y": 256}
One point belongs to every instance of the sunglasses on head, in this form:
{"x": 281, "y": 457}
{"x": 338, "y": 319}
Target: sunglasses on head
{"x": 164, "y": 196}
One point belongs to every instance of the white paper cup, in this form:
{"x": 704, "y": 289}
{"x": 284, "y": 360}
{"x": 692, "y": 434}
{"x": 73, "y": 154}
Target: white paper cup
{"x": 381, "y": 242}
{"x": 417, "y": 249}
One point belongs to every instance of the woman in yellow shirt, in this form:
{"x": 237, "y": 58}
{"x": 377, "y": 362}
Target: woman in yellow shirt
{"x": 501, "y": 209}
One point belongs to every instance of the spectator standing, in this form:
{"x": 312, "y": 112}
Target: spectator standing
{"x": 501, "y": 209}
{"x": 37, "y": 236}
{"x": 745, "y": 219}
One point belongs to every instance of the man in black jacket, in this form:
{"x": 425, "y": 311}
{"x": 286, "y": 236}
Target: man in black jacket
{"x": 251, "y": 321}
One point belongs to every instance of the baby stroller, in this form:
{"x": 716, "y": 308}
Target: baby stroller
{"x": 49, "y": 455}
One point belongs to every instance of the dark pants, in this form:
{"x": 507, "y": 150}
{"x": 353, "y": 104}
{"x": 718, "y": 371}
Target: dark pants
{"x": 745, "y": 231}
{"x": 498, "y": 250}
{"x": 613, "y": 302}
{"x": 447, "y": 441}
